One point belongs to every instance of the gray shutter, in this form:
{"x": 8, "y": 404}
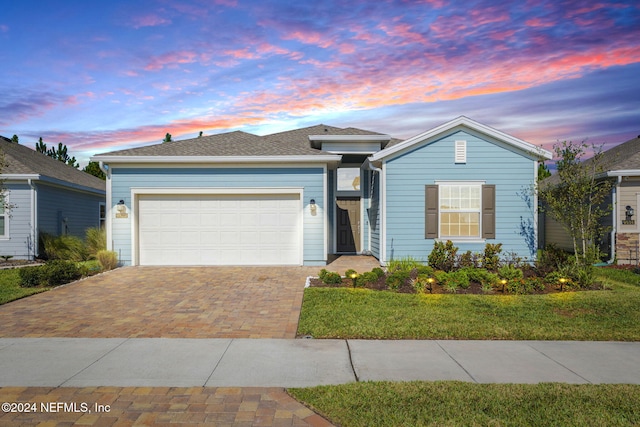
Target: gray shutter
{"x": 488, "y": 211}
{"x": 431, "y": 212}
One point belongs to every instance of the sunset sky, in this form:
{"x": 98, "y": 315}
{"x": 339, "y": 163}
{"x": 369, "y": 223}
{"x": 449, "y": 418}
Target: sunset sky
{"x": 105, "y": 75}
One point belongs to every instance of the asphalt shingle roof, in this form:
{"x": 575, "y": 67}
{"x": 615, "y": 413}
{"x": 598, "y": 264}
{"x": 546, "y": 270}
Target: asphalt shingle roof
{"x": 289, "y": 143}
{"x": 23, "y": 160}
{"x": 624, "y": 156}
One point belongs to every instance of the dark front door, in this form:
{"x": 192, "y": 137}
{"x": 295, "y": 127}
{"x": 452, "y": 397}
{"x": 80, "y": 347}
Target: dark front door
{"x": 348, "y": 221}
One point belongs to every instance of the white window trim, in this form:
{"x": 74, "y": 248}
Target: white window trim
{"x": 470, "y": 239}
{"x": 102, "y": 206}
{"x": 5, "y": 214}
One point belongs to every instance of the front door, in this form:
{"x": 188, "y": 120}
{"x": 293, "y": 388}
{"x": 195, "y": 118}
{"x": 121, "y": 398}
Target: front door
{"x": 348, "y": 224}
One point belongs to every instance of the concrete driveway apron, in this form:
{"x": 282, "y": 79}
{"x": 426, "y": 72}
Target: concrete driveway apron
{"x": 168, "y": 302}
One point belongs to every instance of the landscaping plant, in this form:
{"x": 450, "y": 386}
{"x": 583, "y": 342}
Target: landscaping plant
{"x": 108, "y": 259}
{"x": 443, "y": 256}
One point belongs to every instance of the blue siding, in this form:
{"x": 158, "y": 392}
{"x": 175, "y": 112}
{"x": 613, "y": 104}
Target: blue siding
{"x": 366, "y": 204}
{"x": 55, "y": 204}
{"x": 310, "y": 179}
{"x": 19, "y": 242}
{"x": 406, "y": 176}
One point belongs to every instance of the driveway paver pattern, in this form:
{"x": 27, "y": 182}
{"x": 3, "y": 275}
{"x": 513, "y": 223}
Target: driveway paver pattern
{"x": 168, "y": 302}
{"x": 127, "y": 406}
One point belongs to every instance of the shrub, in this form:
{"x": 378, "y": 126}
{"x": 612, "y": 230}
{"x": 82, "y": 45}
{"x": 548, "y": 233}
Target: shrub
{"x": 509, "y": 272}
{"x": 107, "y": 259}
{"x": 322, "y": 274}
{"x": 349, "y": 273}
{"x": 96, "y": 241}
{"x": 366, "y": 279}
{"x": 423, "y": 283}
{"x": 331, "y": 278}
{"x": 550, "y": 259}
{"x": 378, "y": 272}
{"x": 524, "y": 286}
{"x": 453, "y": 280}
{"x": 482, "y": 276}
{"x": 424, "y": 270}
{"x": 59, "y": 272}
{"x": 491, "y": 256}
{"x": 31, "y": 276}
{"x": 443, "y": 256}
{"x": 467, "y": 259}
{"x": 66, "y": 247}
{"x": 397, "y": 279}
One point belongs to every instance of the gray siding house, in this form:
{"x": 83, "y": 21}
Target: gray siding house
{"x": 44, "y": 195}
{"x": 621, "y": 164}
{"x": 297, "y": 197}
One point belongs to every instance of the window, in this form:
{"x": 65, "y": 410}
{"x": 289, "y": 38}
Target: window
{"x": 349, "y": 179}
{"x": 460, "y": 210}
{"x": 102, "y": 215}
{"x": 4, "y": 218}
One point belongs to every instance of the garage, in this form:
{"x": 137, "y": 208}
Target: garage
{"x": 219, "y": 229}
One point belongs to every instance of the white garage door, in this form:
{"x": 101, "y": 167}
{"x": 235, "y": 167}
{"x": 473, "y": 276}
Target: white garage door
{"x": 261, "y": 229}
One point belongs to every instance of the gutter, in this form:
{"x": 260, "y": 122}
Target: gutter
{"x": 34, "y": 216}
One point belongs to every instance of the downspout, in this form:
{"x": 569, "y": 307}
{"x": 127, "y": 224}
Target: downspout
{"x": 614, "y": 222}
{"x": 34, "y": 217}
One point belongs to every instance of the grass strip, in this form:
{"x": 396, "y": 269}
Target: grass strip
{"x": 610, "y": 315}
{"x": 10, "y": 289}
{"x": 452, "y": 403}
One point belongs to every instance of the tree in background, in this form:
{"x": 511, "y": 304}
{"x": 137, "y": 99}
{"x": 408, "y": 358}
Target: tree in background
{"x": 577, "y": 199}
{"x": 59, "y": 153}
{"x": 167, "y": 138}
{"x": 93, "y": 168}
{"x": 543, "y": 171}
{"x": 14, "y": 139}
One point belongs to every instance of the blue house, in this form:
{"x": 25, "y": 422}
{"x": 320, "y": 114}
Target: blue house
{"x": 297, "y": 197}
{"x": 44, "y": 195}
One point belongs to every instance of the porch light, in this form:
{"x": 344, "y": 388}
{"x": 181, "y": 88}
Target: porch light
{"x": 312, "y": 206}
{"x": 121, "y": 202}
{"x": 629, "y": 212}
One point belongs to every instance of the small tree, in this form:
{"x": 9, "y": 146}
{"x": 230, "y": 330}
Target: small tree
{"x": 59, "y": 153}
{"x": 577, "y": 200}
{"x": 543, "y": 171}
{"x": 167, "y": 138}
{"x": 41, "y": 147}
{"x": 15, "y": 139}
{"x": 93, "y": 168}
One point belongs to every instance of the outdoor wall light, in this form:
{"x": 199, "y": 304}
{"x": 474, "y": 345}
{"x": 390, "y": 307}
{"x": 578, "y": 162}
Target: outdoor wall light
{"x": 312, "y": 206}
{"x": 121, "y": 202}
{"x": 629, "y": 212}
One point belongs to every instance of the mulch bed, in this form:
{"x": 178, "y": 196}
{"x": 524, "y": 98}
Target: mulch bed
{"x": 474, "y": 287}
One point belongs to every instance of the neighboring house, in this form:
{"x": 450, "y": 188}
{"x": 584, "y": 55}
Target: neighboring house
{"x": 296, "y": 197}
{"x": 622, "y": 164}
{"x": 44, "y": 195}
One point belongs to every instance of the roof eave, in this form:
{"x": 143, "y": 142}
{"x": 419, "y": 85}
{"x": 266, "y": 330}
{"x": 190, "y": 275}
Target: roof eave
{"x": 218, "y": 159}
{"x": 53, "y": 181}
{"x": 624, "y": 172}
{"x": 541, "y": 153}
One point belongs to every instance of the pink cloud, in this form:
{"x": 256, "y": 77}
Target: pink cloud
{"x": 171, "y": 59}
{"x": 151, "y": 20}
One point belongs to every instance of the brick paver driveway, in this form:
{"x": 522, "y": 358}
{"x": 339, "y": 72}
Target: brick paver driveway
{"x": 169, "y": 302}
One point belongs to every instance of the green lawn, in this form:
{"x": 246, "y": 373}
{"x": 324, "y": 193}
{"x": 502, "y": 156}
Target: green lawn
{"x": 466, "y": 404}
{"x": 592, "y": 315}
{"x": 10, "y": 286}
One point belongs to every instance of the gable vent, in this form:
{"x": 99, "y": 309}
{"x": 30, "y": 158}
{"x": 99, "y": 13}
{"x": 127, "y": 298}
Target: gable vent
{"x": 461, "y": 152}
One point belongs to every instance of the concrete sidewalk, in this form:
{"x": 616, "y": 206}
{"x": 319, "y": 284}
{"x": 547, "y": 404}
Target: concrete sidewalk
{"x": 176, "y": 362}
